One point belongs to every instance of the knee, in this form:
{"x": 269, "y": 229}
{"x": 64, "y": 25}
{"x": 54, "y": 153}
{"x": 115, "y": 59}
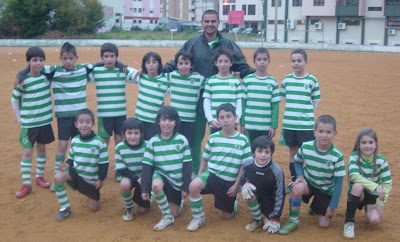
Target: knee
{"x": 227, "y": 216}
{"x": 195, "y": 187}
{"x": 59, "y": 178}
{"x": 157, "y": 187}
{"x": 374, "y": 219}
{"x": 125, "y": 185}
{"x": 324, "y": 224}
{"x": 298, "y": 190}
{"x": 93, "y": 205}
{"x": 357, "y": 189}
{"x": 142, "y": 210}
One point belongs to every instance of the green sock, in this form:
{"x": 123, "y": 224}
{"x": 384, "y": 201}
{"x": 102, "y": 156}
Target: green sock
{"x": 26, "y": 166}
{"x": 163, "y": 204}
{"x": 127, "y": 198}
{"x": 61, "y": 194}
{"x": 196, "y": 205}
{"x": 59, "y": 159}
{"x": 40, "y": 165}
{"x": 254, "y": 209}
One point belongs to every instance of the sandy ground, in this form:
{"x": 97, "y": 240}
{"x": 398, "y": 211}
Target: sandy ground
{"x": 359, "y": 89}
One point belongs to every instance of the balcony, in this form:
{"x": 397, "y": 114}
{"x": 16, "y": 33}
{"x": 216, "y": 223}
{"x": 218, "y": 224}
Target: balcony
{"x": 392, "y": 8}
{"x": 347, "y": 8}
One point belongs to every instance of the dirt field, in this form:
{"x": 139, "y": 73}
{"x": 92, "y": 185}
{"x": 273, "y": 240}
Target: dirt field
{"x": 359, "y": 89}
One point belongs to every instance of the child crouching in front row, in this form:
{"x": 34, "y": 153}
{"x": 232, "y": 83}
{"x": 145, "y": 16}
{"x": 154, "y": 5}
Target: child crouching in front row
{"x": 264, "y": 188}
{"x": 167, "y": 167}
{"x": 86, "y": 167}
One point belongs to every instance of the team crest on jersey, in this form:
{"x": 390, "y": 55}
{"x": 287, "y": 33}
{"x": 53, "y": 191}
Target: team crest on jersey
{"x": 191, "y": 81}
{"x": 307, "y": 87}
{"x": 329, "y": 163}
{"x": 92, "y": 149}
{"x": 231, "y": 84}
{"x": 46, "y": 81}
{"x": 159, "y": 85}
{"x": 178, "y": 147}
{"x": 118, "y": 75}
{"x": 71, "y": 73}
{"x": 237, "y": 147}
{"x": 269, "y": 87}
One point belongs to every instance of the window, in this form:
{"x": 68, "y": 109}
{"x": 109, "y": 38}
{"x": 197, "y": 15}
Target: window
{"x": 279, "y": 3}
{"x": 297, "y": 3}
{"x": 252, "y": 10}
{"x": 155, "y": 21}
{"x": 319, "y": 2}
{"x": 139, "y": 10}
{"x": 273, "y": 21}
{"x": 351, "y": 21}
{"x": 134, "y": 21}
{"x": 244, "y": 9}
{"x": 233, "y": 7}
{"x": 139, "y": 21}
{"x": 374, "y": 8}
{"x": 135, "y": 10}
{"x": 151, "y": 21}
{"x": 151, "y": 11}
{"x": 225, "y": 10}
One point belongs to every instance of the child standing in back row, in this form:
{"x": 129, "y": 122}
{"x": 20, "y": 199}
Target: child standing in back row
{"x": 320, "y": 169}
{"x": 222, "y": 88}
{"x": 31, "y": 101}
{"x": 153, "y": 86}
{"x": 370, "y": 181}
{"x": 301, "y": 92}
{"x": 261, "y": 99}
{"x": 185, "y": 88}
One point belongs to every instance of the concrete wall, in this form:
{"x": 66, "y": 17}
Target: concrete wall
{"x": 166, "y": 43}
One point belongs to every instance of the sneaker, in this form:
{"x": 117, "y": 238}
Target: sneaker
{"x": 164, "y": 222}
{"x": 117, "y": 177}
{"x": 63, "y": 213}
{"x": 311, "y": 211}
{"x": 24, "y": 191}
{"x": 128, "y": 214}
{"x": 348, "y": 231}
{"x": 254, "y": 224}
{"x": 196, "y": 223}
{"x": 51, "y": 188}
{"x": 42, "y": 182}
{"x": 235, "y": 205}
{"x": 288, "y": 227}
{"x": 289, "y": 188}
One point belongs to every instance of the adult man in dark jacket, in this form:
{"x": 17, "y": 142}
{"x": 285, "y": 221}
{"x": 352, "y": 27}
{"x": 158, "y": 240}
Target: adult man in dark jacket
{"x": 203, "y": 48}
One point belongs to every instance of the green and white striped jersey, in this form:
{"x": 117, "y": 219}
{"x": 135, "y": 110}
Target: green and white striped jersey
{"x": 110, "y": 90}
{"x": 382, "y": 172}
{"x": 259, "y": 93}
{"x": 321, "y": 168}
{"x": 185, "y": 94}
{"x": 87, "y": 155}
{"x": 300, "y": 92}
{"x": 219, "y": 91}
{"x": 69, "y": 88}
{"x": 167, "y": 157}
{"x": 129, "y": 158}
{"x": 34, "y": 97}
{"x": 152, "y": 91}
{"x": 225, "y": 155}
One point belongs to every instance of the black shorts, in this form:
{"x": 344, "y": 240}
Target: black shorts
{"x": 78, "y": 183}
{"x": 297, "y": 137}
{"x": 137, "y": 195}
{"x": 219, "y": 188}
{"x": 108, "y": 125}
{"x": 267, "y": 204}
{"x": 253, "y": 134}
{"x": 320, "y": 202}
{"x": 188, "y": 130}
{"x": 66, "y": 128}
{"x": 150, "y": 129}
{"x": 43, "y": 135}
{"x": 369, "y": 198}
{"x": 171, "y": 193}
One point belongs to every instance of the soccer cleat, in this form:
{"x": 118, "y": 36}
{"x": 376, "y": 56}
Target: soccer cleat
{"x": 348, "y": 231}
{"x": 289, "y": 188}
{"x": 196, "y": 223}
{"x": 42, "y": 182}
{"x": 235, "y": 205}
{"x": 254, "y": 224}
{"x": 128, "y": 214}
{"x": 288, "y": 227}
{"x": 24, "y": 191}
{"x": 63, "y": 213}
{"x": 117, "y": 177}
{"x": 164, "y": 222}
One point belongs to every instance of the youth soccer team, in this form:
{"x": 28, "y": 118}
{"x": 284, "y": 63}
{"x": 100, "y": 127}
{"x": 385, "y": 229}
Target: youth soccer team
{"x": 153, "y": 149}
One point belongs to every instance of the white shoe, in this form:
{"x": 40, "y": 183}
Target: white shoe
{"x": 128, "y": 214}
{"x": 196, "y": 223}
{"x": 348, "y": 231}
{"x": 51, "y": 188}
{"x": 164, "y": 222}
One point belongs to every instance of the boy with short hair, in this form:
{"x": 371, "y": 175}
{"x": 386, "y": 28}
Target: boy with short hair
{"x": 301, "y": 91}
{"x": 321, "y": 176}
{"x": 35, "y": 118}
{"x": 264, "y": 187}
{"x": 222, "y": 88}
{"x": 128, "y": 164}
{"x": 261, "y": 99}
{"x": 86, "y": 167}
{"x": 224, "y": 154}
{"x": 167, "y": 167}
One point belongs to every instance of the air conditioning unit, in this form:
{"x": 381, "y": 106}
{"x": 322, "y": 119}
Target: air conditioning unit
{"x": 391, "y": 31}
{"x": 318, "y": 25}
{"x": 290, "y": 23}
{"x": 341, "y": 26}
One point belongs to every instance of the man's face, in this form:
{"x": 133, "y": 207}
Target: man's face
{"x": 210, "y": 24}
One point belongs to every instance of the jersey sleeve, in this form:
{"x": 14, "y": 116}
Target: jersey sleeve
{"x": 207, "y": 90}
{"x": 276, "y": 95}
{"x": 298, "y": 157}
{"x": 247, "y": 155}
{"x": 207, "y": 150}
{"x": 282, "y": 90}
{"x": 148, "y": 157}
{"x": 103, "y": 155}
{"x": 315, "y": 93}
{"x": 119, "y": 163}
{"x": 187, "y": 156}
{"x": 340, "y": 170}
{"x": 203, "y": 82}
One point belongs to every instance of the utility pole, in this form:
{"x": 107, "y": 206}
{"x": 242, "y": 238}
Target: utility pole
{"x": 276, "y": 22}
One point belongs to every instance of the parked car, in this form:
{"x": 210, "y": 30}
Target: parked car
{"x": 224, "y": 30}
{"x": 249, "y": 31}
{"x": 235, "y": 30}
{"x": 127, "y": 28}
